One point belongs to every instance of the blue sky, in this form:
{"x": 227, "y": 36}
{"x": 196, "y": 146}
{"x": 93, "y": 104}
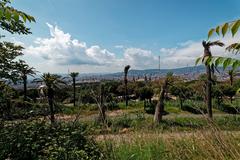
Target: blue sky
{"x": 121, "y": 28}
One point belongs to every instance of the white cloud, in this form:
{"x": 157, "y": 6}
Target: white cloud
{"x": 60, "y": 52}
{"x": 60, "y": 49}
{"x": 140, "y": 58}
{"x": 187, "y": 52}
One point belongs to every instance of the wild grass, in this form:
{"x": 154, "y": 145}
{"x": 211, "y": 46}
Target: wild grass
{"x": 207, "y": 143}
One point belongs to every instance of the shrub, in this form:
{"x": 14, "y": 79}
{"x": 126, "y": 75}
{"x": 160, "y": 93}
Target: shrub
{"x": 39, "y": 140}
{"x": 150, "y": 108}
{"x": 112, "y": 105}
{"x": 194, "y": 110}
{"x": 229, "y": 108}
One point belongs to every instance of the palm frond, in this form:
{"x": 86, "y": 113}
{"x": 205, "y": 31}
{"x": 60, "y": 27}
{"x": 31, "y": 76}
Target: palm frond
{"x": 126, "y": 68}
{"x": 235, "y": 48}
{"x": 74, "y": 74}
{"x": 216, "y": 43}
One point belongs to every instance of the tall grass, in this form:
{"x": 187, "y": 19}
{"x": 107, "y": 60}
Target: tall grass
{"x": 210, "y": 144}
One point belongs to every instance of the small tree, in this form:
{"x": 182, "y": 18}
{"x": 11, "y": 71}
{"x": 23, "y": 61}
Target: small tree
{"x": 207, "y": 56}
{"x": 52, "y": 82}
{"x": 99, "y": 95}
{"x": 181, "y": 91}
{"x": 8, "y": 64}
{"x": 229, "y": 91}
{"x": 74, "y": 75}
{"x": 126, "y": 69}
{"x": 24, "y": 71}
{"x": 218, "y": 94}
{"x": 145, "y": 93}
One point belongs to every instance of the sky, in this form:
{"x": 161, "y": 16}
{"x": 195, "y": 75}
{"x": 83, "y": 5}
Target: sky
{"x": 99, "y": 36}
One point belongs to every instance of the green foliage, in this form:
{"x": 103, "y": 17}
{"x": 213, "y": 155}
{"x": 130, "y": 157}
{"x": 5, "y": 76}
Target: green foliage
{"x": 194, "y": 107}
{"x": 229, "y": 26}
{"x": 229, "y": 108}
{"x": 235, "y": 47}
{"x": 13, "y": 20}
{"x": 8, "y": 64}
{"x": 144, "y": 93}
{"x": 39, "y": 140}
{"x": 149, "y": 107}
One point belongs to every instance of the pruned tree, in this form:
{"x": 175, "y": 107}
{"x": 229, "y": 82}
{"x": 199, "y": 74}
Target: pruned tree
{"x": 100, "y": 98}
{"x": 74, "y": 75}
{"x": 159, "y": 110}
{"x": 126, "y": 69}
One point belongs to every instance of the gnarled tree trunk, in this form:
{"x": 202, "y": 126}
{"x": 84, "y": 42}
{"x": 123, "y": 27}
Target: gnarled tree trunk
{"x": 160, "y": 105}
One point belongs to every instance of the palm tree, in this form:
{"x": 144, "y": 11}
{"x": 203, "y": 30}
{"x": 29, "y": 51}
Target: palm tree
{"x": 24, "y": 71}
{"x": 209, "y": 70}
{"x": 160, "y": 105}
{"x": 52, "y": 82}
{"x": 126, "y": 69}
{"x": 74, "y": 75}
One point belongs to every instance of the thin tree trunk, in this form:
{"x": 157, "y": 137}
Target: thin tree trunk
{"x": 25, "y": 87}
{"x": 102, "y": 114}
{"x": 74, "y": 92}
{"x": 50, "y": 102}
{"x": 160, "y": 105}
{"x": 126, "y": 93}
{"x": 181, "y": 103}
{"x": 209, "y": 91}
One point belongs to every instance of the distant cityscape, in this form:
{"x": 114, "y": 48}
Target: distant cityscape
{"x": 188, "y": 73}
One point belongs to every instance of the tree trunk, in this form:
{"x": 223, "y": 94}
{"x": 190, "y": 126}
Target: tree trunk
{"x": 209, "y": 91}
{"x": 126, "y": 92}
{"x": 160, "y": 105}
{"x": 181, "y": 103}
{"x": 102, "y": 114}
{"x": 25, "y": 87}
{"x": 231, "y": 79}
{"x": 74, "y": 92}
{"x": 50, "y": 102}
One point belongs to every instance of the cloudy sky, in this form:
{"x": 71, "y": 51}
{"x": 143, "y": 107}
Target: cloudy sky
{"x": 105, "y": 35}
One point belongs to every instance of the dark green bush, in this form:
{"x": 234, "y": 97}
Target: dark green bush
{"x": 229, "y": 108}
{"x": 194, "y": 110}
{"x": 112, "y": 105}
{"x": 149, "y": 107}
{"x": 39, "y": 140}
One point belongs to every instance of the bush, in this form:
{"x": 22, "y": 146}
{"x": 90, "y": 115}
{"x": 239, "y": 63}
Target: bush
{"x": 194, "y": 110}
{"x": 229, "y": 108}
{"x": 150, "y": 108}
{"x": 39, "y": 140}
{"x": 112, "y": 105}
